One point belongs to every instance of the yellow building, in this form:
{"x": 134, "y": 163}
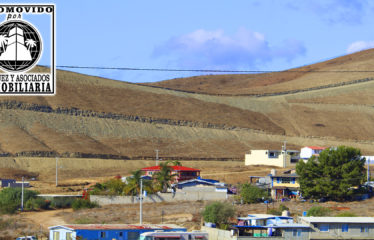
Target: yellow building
{"x": 284, "y": 185}
{"x": 276, "y": 158}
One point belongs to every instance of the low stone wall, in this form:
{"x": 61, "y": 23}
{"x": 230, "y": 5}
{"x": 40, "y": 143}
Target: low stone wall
{"x": 161, "y": 197}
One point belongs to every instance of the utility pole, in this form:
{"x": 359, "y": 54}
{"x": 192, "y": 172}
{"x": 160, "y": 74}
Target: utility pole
{"x": 156, "y": 157}
{"x": 141, "y": 202}
{"x": 23, "y": 181}
{"x": 56, "y": 171}
{"x": 284, "y": 148}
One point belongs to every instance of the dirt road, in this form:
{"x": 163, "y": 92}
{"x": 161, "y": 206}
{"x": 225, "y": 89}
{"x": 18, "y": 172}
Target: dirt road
{"x": 46, "y": 218}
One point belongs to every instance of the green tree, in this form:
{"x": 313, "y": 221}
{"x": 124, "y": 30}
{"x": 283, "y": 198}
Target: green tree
{"x": 219, "y": 213}
{"x": 252, "y": 194}
{"x": 164, "y": 177}
{"x": 133, "y": 184}
{"x": 333, "y": 175}
{"x": 10, "y": 198}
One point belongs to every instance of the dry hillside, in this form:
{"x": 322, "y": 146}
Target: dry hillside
{"x": 102, "y": 118}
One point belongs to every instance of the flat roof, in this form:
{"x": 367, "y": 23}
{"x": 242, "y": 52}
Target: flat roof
{"x": 338, "y": 219}
{"x": 117, "y": 226}
{"x": 262, "y": 216}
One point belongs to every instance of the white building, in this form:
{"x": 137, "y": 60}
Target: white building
{"x": 276, "y": 158}
{"x": 309, "y": 151}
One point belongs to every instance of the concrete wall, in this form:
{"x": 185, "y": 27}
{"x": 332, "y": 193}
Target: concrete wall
{"x": 161, "y": 197}
{"x": 261, "y": 157}
{"x": 218, "y": 234}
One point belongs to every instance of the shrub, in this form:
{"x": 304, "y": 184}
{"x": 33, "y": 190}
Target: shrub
{"x": 252, "y": 194}
{"x": 274, "y": 211}
{"x": 219, "y": 213}
{"x": 62, "y": 202}
{"x": 37, "y": 204}
{"x": 346, "y": 214}
{"x": 318, "y": 211}
{"x": 283, "y": 208}
{"x": 83, "y": 203}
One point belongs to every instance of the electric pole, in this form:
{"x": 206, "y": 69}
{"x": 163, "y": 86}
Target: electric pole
{"x": 156, "y": 157}
{"x": 141, "y": 202}
{"x": 56, "y": 171}
{"x": 23, "y": 181}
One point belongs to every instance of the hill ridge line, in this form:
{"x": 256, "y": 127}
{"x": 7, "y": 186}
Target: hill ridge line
{"x": 332, "y": 85}
{"x": 15, "y": 105}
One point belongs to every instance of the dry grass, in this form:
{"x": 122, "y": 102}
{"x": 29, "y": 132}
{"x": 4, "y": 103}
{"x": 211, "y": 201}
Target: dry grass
{"x": 298, "y": 78}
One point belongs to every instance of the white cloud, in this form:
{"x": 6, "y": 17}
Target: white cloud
{"x": 359, "y": 46}
{"x": 216, "y": 49}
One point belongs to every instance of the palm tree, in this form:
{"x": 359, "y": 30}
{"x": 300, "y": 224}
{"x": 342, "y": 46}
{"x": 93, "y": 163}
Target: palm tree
{"x": 176, "y": 163}
{"x": 132, "y": 187}
{"x": 164, "y": 177}
{"x": 30, "y": 43}
{"x": 3, "y": 41}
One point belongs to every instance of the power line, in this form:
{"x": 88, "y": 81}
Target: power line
{"x": 208, "y": 70}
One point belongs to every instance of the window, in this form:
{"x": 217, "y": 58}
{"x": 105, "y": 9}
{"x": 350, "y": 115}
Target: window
{"x": 102, "y": 234}
{"x": 364, "y": 229}
{"x": 294, "y": 232}
{"x": 345, "y": 228}
{"x": 120, "y": 234}
{"x": 69, "y": 236}
{"x": 324, "y": 228}
{"x": 56, "y": 235}
{"x": 132, "y": 235}
{"x": 272, "y": 155}
{"x": 299, "y": 232}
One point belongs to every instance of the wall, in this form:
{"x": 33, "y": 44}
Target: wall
{"x": 218, "y": 234}
{"x": 160, "y": 197}
{"x": 335, "y": 231}
{"x": 290, "y": 184}
{"x": 260, "y": 157}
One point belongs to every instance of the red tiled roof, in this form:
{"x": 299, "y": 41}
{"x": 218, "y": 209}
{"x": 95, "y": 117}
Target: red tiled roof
{"x": 175, "y": 168}
{"x": 115, "y": 226}
{"x": 316, "y": 148}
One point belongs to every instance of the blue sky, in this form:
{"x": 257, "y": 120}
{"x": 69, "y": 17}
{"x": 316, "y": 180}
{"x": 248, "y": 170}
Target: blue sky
{"x": 196, "y": 34}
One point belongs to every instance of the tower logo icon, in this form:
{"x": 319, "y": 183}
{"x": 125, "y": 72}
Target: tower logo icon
{"x": 20, "y": 46}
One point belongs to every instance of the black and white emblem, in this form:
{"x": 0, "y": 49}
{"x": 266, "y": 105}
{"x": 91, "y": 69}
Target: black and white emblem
{"x": 20, "y": 46}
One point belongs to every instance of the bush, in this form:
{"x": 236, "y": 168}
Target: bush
{"x": 346, "y": 214}
{"x": 219, "y": 213}
{"x": 252, "y": 194}
{"x": 83, "y": 203}
{"x": 274, "y": 211}
{"x": 318, "y": 211}
{"x": 37, "y": 204}
{"x": 62, "y": 202}
{"x": 278, "y": 211}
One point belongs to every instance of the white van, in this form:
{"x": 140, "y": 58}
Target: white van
{"x": 161, "y": 235}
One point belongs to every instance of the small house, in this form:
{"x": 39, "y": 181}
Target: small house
{"x": 201, "y": 185}
{"x": 270, "y": 226}
{"x": 6, "y": 182}
{"x": 340, "y": 227}
{"x": 278, "y": 158}
{"x": 309, "y": 151}
{"x": 285, "y": 184}
{"x": 107, "y": 231}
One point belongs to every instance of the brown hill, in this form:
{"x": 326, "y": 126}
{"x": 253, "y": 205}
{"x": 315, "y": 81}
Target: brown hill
{"x": 315, "y": 75}
{"x": 96, "y": 117}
